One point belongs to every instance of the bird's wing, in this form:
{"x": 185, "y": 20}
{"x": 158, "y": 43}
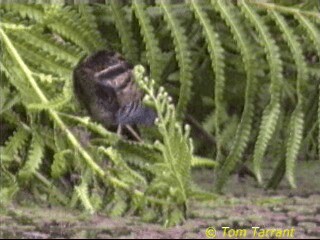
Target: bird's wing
{"x": 135, "y": 113}
{"x": 107, "y": 97}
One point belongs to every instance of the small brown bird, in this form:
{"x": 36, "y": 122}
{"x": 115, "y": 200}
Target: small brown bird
{"x": 103, "y": 84}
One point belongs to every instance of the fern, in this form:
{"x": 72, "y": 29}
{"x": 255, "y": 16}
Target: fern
{"x": 66, "y": 23}
{"x": 297, "y": 121}
{"x": 32, "y": 11}
{"x": 152, "y": 46}
{"x": 129, "y": 46}
{"x": 217, "y": 57}
{"x": 48, "y": 45}
{"x": 183, "y": 56}
{"x": 120, "y": 166}
{"x": 229, "y": 14}
{"x": 271, "y": 113}
{"x": 34, "y": 159}
{"x": 60, "y": 164}
{"x": 173, "y": 174}
{"x": 314, "y": 34}
{"x": 13, "y": 144}
{"x": 83, "y": 195}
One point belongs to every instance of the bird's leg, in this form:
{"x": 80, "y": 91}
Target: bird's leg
{"x": 134, "y": 133}
{"x": 119, "y": 129}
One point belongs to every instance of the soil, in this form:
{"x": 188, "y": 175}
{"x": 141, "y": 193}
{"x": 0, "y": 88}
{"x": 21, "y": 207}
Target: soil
{"x": 243, "y": 206}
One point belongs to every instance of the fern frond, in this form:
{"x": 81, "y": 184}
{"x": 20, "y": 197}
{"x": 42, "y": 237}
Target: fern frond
{"x": 311, "y": 29}
{"x": 41, "y": 61}
{"x": 118, "y": 206}
{"x": 68, "y": 24}
{"x": 83, "y": 195}
{"x": 291, "y": 10}
{"x": 16, "y": 79}
{"x": 89, "y": 22}
{"x": 203, "y": 162}
{"x": 32, "y": 11}
{"x": 152, "y": 45}
{"x": 314, "y": 33}
{"x": 58, "y": 102}
{"x": 14, "y": 144}
{"x": 109, "y": 136}
{"x": 60, "y": 164}
{"x": 128, "y": 43}
{"x": 176, "y": 148}
{"x": 64, "y": 52}
{"x": 293, "y": 143}
{"x": 34, "y": 158}
{"x": 229, "y": 14}
{"x": 122, "y": 167}
{"x": 55, "y": 104}
{"x": 147, "y": 151}
{"x": 271, "y": 113}
{"x": 298, "y": 116}
{"x": 218, "y": 65}
{"x": 183, "y": 56}
{"x": 6, "y": 99}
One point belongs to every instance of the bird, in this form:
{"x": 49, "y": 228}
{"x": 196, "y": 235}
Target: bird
{"x": 104, "y": 85}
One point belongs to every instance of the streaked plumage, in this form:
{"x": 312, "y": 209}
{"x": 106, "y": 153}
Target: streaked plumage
{"x": 104, "y": 85}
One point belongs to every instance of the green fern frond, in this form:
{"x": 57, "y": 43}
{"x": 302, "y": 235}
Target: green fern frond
{"x": 218, "y": 65}
{"x": 66, "y": 23}
{"x": 41, "y": 61}
{"x": 311, "y": 30}
{"x": 172, "y": 178}
{"x": 6, "y": 99}
{"x": 64, "y": 52}
{"x": 203, "y": 162}
{"x": 230, "y": 15}
{"x": 88, "y": 22}
{"x": 57, "y": 103}
{"x": 128, "y": 43}
{"x": 7, "y": 194}
{"x": 152, "y": 45}
{"x": 183, "y": 56}
{"x": 60, "y": 164}
{"x": 293, "y": 143}
{"x": 15, "y": 77}
{"x": 297, "y": 121}
{"x": 147, "y": 151}
{"x": 314, "y": 33}
{"x": 34, "y": 159}
{"x": 122, "y": 167}
{"x": 108, "y": 136}
{"x": 118, "y": 206}
{"x": 32, "y": 11}
{"x": 14, "y": 144}
{"x": 271, "y": 113}
{"x": 83, "y": 195}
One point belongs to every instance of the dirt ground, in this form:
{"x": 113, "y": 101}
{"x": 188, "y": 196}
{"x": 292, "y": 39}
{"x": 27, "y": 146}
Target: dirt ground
{"x": 242, "y": 207}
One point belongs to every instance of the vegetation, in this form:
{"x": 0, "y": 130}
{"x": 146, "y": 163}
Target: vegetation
{"x": 245, "y": 76}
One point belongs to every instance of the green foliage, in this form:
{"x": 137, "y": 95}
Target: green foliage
{"x": 245, "y": 45}
{"x": 182, "y": 54}
{"x": 245, "y": 76}
{"x": 172, "y": 175}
